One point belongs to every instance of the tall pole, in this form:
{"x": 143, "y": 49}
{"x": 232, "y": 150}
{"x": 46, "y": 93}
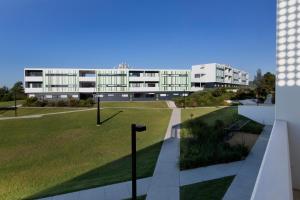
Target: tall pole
{"x": 15, "y": 103}
{"x": 133, "y": 160}
{"x": 184, "y": 98}
{"x": 98, "y": 111}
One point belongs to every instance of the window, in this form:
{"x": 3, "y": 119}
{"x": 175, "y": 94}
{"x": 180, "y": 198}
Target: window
{"x": 197, "y": 75}
{"x": 87, "y": 84}
{"x": 57, "y": 86}
{"x": 137, "y": 84}
{"x": 135, "y": 73}
{"x": 33, "y": 73}
{"x": 151, "y": 84}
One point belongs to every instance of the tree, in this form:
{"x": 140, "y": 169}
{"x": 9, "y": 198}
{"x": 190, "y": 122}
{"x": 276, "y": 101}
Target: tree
{"x": 8, "y": 94}
{"x": 266, "y": 86}
{"x": 18, "y": 89}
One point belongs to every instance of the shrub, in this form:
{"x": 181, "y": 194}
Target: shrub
{"x": 61, "y": 103}
{"x": 34, "y": 102}
{"x": 73, "y": 102}
{"x": 215, "y": 97}
{"x": 204, "y": 145}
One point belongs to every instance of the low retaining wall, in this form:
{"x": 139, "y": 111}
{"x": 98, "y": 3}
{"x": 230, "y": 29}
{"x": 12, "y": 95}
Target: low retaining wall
{"x": 274, "y": 179}
{"x": 264, "y": 114}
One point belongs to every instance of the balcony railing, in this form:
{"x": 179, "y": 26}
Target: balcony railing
{"x": 274, "y": 178}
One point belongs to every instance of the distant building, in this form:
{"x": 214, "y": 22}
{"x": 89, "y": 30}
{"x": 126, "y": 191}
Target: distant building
{"x": 124, "y": 83}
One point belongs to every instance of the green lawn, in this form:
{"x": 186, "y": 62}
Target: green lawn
{"x": 64, "y": 153}
{"x": 226, "y": 114}
{"x": 10, "y": 103}
{"x": 208, "y": 190}
{"x": 22, "y": 111}
{"x": 142, "y": 104}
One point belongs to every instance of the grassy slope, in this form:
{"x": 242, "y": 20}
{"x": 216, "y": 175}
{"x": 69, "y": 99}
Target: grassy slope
{"x": 62, "y": 153}
{"x": 208, "y": 190}
{"x": 210, "y": 115}
{"x": 151, "y": 104}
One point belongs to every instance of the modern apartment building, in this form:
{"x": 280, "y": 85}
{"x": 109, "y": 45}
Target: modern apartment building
{"x": 124, "y": 83}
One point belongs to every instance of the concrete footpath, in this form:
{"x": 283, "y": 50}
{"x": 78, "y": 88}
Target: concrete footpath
{"x": 165, "y": 181}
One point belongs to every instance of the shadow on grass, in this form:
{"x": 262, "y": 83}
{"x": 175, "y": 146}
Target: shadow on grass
{"x": 111, "y": 117}
{"x": 114, "y": 172}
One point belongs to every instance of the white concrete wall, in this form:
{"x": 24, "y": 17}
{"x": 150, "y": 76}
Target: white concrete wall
{"x": 288, "y": 79}
{"x": 274, "y": 177}
{"x": 264, "y": 114}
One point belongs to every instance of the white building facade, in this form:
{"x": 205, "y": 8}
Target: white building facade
{"x": 128, "y": 84}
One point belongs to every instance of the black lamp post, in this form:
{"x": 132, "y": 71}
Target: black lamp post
{"x": 134, "y": 128}
{"x": 15, "y": 103}
{"x": 184, "y": 99}
{"x": 98, "y": 111}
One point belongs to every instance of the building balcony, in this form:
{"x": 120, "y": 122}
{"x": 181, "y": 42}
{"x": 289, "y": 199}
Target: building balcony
{"x": 33, "y": 78}
{"x": 87, "y": 90}
{"x": 33, "y": 90}
{"x": 143, "y": 89}
{"x": 87, "y": 79}
{"x": 144, "y": 78}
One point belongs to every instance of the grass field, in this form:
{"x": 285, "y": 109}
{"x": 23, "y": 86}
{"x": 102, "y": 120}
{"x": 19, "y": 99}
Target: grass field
{"x": 208, "y": 190}
{"x": 130, "y": 104}
{"x": 225, "y": 114}
{"x": 64, "y": 153}
{"x": 22, "y": 111}
{"x": 10, "y": 103}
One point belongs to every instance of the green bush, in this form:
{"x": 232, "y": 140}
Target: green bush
{"x": 73, "y": 102}
{"x": 35, "y": 102}
{"x": 205, "y": 145}
{"x": 61, "y": 103}
{"x": 244, "y": 93}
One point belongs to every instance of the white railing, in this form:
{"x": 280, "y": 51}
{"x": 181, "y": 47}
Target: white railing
{"x": 87, "y": 79}
{"x": 144, "y": 78}
{"x": 33, "y": 90}
{"x": 87, "y": 90}
{"x": 264, "y": 114}
{"x": 274, "y": 177}
{"x": 143, "y": 89}
{"x": 33, "y": 79}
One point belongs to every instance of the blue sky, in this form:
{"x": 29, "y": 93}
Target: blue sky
{"x": 143, "y": 33}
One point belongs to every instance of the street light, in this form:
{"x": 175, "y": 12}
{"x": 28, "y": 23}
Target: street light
{"x": 134, "y": 128}
{"x": 98, "y": 111}
{"x": 184, "y": 98}
{"x": 15, "y": 102}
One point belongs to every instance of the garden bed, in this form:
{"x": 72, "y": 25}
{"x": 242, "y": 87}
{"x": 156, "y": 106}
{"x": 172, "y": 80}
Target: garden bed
{"x": 202, "y": 138}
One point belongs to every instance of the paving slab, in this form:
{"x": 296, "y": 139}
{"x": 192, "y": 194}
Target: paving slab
{"x": 165, "y": 181}
{"x": 188, "y": 177}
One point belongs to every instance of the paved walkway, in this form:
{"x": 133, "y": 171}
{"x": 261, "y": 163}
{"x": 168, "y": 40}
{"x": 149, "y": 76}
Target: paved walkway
{"x": 123, "y": 190}
{"x": 188, "y": 177}
{"x": 243, "y": 184}
{"x": 46, "y": 114}
{"x": 165, "y": 181}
